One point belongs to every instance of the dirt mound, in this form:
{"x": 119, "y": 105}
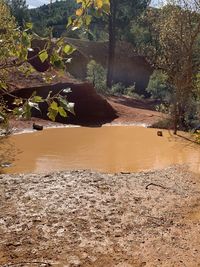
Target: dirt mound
{"x": 90, "y": 108}
{"x": 18, "y": 80}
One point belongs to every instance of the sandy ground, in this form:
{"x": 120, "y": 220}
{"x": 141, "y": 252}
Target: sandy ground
{"x": 85, "y": 219}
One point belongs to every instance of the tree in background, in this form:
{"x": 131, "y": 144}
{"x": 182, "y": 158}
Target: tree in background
{"x": 159, "y": 87}
{"x": 179, "y": 30}
{"x": 55, "y": 16}
{"x": 19, "y": 9}
{"x": 144, "y": 34}
{"x": 120, "y": 15}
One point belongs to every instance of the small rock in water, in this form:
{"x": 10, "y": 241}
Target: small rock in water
{"x": 6, "y": 165}
{"x": 37, "y": 127}
{"x": 159, "y": 133}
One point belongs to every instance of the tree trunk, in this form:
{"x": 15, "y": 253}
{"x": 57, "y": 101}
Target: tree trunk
{"x": 175, "y": 121}
{"x": 175, "y": 112}
{"x": 112, "y": 43}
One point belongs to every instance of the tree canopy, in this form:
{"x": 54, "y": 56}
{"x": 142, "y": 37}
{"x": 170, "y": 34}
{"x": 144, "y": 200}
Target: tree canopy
{"x": 19, "y": 9}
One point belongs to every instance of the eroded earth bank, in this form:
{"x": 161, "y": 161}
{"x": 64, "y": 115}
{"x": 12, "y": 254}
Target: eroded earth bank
{"x": 82, "y": 218}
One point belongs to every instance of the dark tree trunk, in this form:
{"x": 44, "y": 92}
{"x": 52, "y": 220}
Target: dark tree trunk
{"x": 175, "y": 121}
{"x": 175, "y": 112}
{"x": 112, "y": 42}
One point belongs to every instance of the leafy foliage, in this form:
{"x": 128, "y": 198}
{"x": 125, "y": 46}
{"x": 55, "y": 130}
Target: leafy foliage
{"x": 96, "y": 74}
{"x": 53, "y": 16}
{"x": 159, "y": 87}
{"x": 19, "y": 9}
{"x": 14, "y": 49}
{"x": 197, "y": 136}
{"x": 174, "y": 49}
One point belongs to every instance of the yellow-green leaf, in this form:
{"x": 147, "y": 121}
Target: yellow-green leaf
{"x": 43, "y": 55}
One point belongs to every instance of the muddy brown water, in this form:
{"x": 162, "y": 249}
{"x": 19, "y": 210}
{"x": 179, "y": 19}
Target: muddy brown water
{"x": 105, "y": 149}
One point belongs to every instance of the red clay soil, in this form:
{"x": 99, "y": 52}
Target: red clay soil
{"x": 20, "y": 80}
{"x": 129, "y": 111}
{"x": 134, "y": 111}
{"x": 99, "y": 109}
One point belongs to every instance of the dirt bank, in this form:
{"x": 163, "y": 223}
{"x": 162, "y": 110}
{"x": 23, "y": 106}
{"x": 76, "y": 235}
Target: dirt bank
{"x": 128, "y": 110}
{"x": 89, "y": 107}
{"x": 135, "y": 111}
{"x": 82, "y": 218}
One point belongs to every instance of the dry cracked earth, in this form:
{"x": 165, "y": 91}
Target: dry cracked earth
{"x": 85, "y": 219}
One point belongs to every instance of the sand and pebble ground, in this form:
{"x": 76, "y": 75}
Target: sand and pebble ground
{"x": 85, "y": 219}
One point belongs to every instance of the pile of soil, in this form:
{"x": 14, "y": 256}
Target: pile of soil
{"x": 82, "y": 218}
{"x": 90, "y": 108}
{"x": 18, "y": 80}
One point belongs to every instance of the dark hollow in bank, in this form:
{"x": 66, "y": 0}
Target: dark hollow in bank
{"x": 90, "y": 108}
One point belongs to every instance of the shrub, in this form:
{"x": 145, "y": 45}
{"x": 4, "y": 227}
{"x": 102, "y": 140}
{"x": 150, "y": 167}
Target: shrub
{"x": 96, "y": 74}
{"x": 165, "y": 123}
{"x": 120, "y": 89}
{"x": 158, "y": 86}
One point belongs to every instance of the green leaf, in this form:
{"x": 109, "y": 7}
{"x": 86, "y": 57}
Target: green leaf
{"x": 52, "y": 113}
{"x": 29, "y": 25}
{"x": 26, "y": 111}
{"x": 54, "y": 106}
{"x": 25, "y": 39}
{"x": 59, "y": 64}
{"x": 63, "y": 102}
{"x": 88, "y": 20}
{"x": 55, "y": 57}
{"x": 69, "y": 22}
{"x": 18, "y": 111}
{"x": 43, "y": 55}
{"x": 37, "y": 99}
{"x": 62, "y": 112}
{"x": 3, "y": 85}
{"x": 68, "y": 49}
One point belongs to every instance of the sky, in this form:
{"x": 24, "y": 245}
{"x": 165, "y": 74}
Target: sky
{"x": 36, "y": 3}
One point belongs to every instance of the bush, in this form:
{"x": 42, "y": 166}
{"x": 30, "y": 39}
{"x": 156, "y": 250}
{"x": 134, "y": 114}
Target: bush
{"x": 158, "y": 86}
{"x": 120, "y": 89}
{"x": 96, "y": 74}
{"x": 165, "y": 123}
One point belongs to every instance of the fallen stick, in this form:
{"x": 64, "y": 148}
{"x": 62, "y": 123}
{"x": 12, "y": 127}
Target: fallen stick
{"x": 147, "y": 187}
